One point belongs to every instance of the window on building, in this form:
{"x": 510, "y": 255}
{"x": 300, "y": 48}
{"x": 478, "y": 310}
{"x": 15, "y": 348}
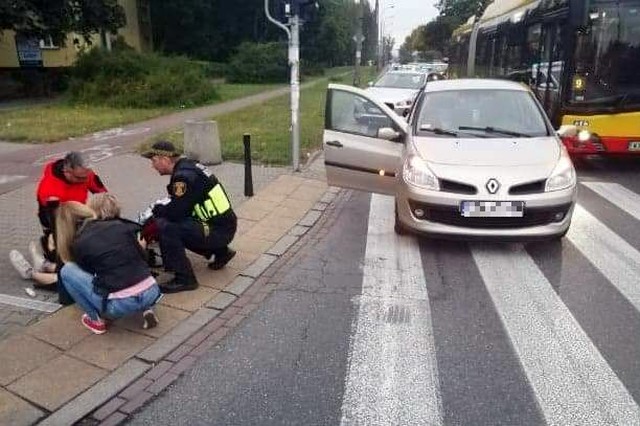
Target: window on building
{"x": 47, "y": 43}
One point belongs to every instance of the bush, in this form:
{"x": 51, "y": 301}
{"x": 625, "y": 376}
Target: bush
{"x": 126, "y": 78}
{"x": 259, "y": 63}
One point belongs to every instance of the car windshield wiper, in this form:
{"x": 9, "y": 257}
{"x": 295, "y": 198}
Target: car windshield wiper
{"x": 439, "y": 131}
{"x": 490, "y": 129}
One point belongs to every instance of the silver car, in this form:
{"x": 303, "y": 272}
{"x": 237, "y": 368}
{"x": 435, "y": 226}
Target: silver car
{"x": 398, "y": 89}
{"x": 476, "y": 158}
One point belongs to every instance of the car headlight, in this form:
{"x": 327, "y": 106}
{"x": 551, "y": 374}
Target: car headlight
{"x": 416, "y": 172}
{"x": 563, "y": 175}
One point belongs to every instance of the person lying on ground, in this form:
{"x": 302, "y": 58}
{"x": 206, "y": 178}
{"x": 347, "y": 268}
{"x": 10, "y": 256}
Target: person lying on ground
{"x": 105, "y": 270}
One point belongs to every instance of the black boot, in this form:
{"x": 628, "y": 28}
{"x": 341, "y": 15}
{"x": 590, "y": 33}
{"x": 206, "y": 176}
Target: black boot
{"x": 178, "y": 284}
{"x": 221, "y": 259}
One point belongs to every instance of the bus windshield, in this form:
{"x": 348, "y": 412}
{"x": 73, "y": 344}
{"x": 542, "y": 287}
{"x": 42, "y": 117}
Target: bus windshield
{"x": 608, "y": 56}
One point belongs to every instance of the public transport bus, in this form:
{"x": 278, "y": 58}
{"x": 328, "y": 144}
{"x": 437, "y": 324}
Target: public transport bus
{"x": 580, "y": 57}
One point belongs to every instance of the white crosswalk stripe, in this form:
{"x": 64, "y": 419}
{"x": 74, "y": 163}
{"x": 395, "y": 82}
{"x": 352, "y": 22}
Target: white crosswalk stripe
{"x": 392, "y": 377}
{"x": 572, "y": 381}
{"x": 10, "y": 178}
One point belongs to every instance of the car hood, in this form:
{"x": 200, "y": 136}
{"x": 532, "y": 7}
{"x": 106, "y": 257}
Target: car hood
{"x": 389, "y": 94}
{"x": 504, "y": 152}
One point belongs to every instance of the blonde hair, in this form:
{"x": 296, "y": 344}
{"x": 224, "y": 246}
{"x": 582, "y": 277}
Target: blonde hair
{"x": 105, "y": 205}
{"x": 68, "y": 217}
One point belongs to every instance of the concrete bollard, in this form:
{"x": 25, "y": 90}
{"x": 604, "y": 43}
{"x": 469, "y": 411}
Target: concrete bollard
{"x": 202, "y": 141}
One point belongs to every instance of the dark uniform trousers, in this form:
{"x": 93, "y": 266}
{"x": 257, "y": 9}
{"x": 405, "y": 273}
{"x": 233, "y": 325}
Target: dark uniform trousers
{"x": 192, "y": 234}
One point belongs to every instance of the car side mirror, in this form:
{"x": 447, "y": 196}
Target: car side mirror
{"x": 387, "y": 133}
{"x": 567, "y": 131}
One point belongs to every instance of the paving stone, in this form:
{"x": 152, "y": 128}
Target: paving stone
{"x": 320, "y": 206}
{"x": 109, "y": 408}
{"x": 62, "y": 329}
{"x": 298, "y": 230}
{"x": 282, "y": 245}
{"x": 183, "y": 365}
{"x": 219, "y": 279}
{"x": 182, "y": 350}
{"x": 114, "y": 420}
{"x": 259, "y": 266}
{"x": 20, "y": 354}
{"x": 178, "y": 335}
{"x": 189, "y": 301}
{"x": 137, "y": 402}
{"x": 230, "y": 312}
{"x": 308, "y": 193}
{"x": 112, "y": 349}
{"x": 221, "y": 301}
{"x": 16, "y": 411}
{"x": 57, "y": 382}
{"x": 310, "y": 219}
{"x": 255, "y": 209}
{"x": 168, "y": 318}
{"x": 328, "y": 197}
{"x": 135, "y": 388}
{"x": 162, "y": 383}
{"x": 210, "y": 342}
{"x": 158, "y": 370}
{"x": 251, "y": 244}
{"x": 242, "y": 259}
{"x": 239, "y": 285}
{"x": 98, "y": 394}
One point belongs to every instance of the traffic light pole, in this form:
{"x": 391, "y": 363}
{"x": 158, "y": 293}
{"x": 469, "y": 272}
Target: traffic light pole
{"x": 294, "y": 62}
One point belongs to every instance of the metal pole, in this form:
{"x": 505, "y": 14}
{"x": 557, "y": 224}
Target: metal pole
{"x": 358, "y": 38}
{"x": 248, "y": 174}
{"x": 294, "y": 61}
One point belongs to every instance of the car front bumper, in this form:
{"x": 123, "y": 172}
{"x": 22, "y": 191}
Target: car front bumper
{"x": 442, "y": 218}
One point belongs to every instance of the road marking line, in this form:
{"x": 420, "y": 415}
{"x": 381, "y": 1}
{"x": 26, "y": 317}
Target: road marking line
{"x": 10, "y": 178}
{"x": 615, "y": 258}
{"x": 617, "y": 194}
{"x": 35, "y": 305}
{"x": 573, "y": 383}
{"x": 392, "y": 375}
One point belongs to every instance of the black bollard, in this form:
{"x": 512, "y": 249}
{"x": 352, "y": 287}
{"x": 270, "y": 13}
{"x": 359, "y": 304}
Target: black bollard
{"x": 248, "y": 178}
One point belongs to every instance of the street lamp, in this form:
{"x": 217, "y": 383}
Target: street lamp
{"x": 381, "y": 19}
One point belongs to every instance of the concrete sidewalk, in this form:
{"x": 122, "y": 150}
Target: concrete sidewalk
{"x": 57, "y": 372}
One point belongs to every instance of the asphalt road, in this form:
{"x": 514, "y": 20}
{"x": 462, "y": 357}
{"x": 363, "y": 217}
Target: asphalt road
{"x": 366, "y": 327}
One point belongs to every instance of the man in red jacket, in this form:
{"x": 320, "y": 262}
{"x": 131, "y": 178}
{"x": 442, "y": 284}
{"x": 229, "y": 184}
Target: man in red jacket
{"x": 66, "y": 179}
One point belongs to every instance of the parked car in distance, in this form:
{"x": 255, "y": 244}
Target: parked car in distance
{"x": 398, "y": 89}
{"x": 475, "y": 159}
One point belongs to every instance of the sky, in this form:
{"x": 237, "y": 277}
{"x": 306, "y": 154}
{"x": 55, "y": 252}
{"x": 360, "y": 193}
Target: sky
{"x": 405, "y": 16}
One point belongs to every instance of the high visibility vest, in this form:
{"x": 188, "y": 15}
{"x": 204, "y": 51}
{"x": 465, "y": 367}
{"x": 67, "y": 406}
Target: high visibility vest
{"x": 215, "y": 204}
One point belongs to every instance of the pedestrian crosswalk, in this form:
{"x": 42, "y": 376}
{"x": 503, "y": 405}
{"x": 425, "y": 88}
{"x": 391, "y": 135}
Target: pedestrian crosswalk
{"x": 394, "y": 375}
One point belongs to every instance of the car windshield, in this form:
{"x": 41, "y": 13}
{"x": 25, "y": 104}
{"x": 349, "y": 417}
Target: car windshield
{"x": 401, "y": 80}
{"x": 481, "y": 113}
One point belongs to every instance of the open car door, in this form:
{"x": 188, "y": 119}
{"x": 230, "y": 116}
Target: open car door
{"x": 363, "y": 141}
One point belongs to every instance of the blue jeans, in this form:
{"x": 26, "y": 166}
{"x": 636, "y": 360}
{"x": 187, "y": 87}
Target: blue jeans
{"x": 79, "y": 284}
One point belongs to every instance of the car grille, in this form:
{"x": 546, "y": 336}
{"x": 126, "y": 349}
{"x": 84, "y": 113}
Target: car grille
{"x": 536, "y": 187}
{"x": 457, "y": 187}
{"x": 448, "y": 215}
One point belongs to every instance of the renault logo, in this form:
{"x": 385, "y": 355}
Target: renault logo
{"x": 492, "y": 186}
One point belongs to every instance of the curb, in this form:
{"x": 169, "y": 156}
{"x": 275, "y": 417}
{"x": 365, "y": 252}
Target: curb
{"x": 111, "y": 400}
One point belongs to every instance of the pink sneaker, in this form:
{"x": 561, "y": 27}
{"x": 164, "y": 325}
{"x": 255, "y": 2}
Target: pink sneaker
{"x": 98, "y": 327}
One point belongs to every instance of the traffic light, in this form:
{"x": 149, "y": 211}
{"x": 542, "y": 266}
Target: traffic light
{"x": 305, "y": 9}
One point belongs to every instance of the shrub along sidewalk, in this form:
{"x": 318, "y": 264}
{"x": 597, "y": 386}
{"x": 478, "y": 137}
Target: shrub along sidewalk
{"x": 269, "y": 124}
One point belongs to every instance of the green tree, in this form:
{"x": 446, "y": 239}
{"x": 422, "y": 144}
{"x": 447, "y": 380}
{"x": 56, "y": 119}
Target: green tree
{"x": 56, "y": 18}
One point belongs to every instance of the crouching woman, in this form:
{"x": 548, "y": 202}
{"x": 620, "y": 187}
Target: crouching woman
{"x": 105, "y": 270}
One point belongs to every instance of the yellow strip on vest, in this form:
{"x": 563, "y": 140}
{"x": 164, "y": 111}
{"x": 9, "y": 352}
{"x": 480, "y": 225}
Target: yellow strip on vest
{"x": 219, "y": 198}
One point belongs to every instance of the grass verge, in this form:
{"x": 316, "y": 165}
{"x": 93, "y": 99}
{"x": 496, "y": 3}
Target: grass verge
{"x": 61, "y": 120}
{"x": 269, "y": 124}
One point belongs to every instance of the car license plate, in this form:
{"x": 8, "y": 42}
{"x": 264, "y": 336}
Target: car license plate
{"x": 492, "y": 208}
{"x": 634, "y": 146}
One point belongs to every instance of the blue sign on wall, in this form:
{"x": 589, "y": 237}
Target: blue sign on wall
{"x": 29, "y": 53}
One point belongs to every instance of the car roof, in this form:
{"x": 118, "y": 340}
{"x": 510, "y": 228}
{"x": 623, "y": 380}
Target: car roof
{"x": 473, "y": 84}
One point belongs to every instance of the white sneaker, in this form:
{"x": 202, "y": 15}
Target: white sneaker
{"x": 20, "y": 263}
{"x": 150, "y": 319}
{"x": 37, "y": 259}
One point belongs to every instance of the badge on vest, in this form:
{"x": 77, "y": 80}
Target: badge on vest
{"x": 179, "y": 189}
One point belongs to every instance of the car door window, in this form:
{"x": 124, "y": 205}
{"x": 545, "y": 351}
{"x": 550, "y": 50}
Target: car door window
{"x": 352, "y": 113}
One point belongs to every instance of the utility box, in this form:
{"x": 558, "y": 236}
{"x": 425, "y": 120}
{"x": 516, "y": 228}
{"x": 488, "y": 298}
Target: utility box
{"x": 202, "y": 141}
